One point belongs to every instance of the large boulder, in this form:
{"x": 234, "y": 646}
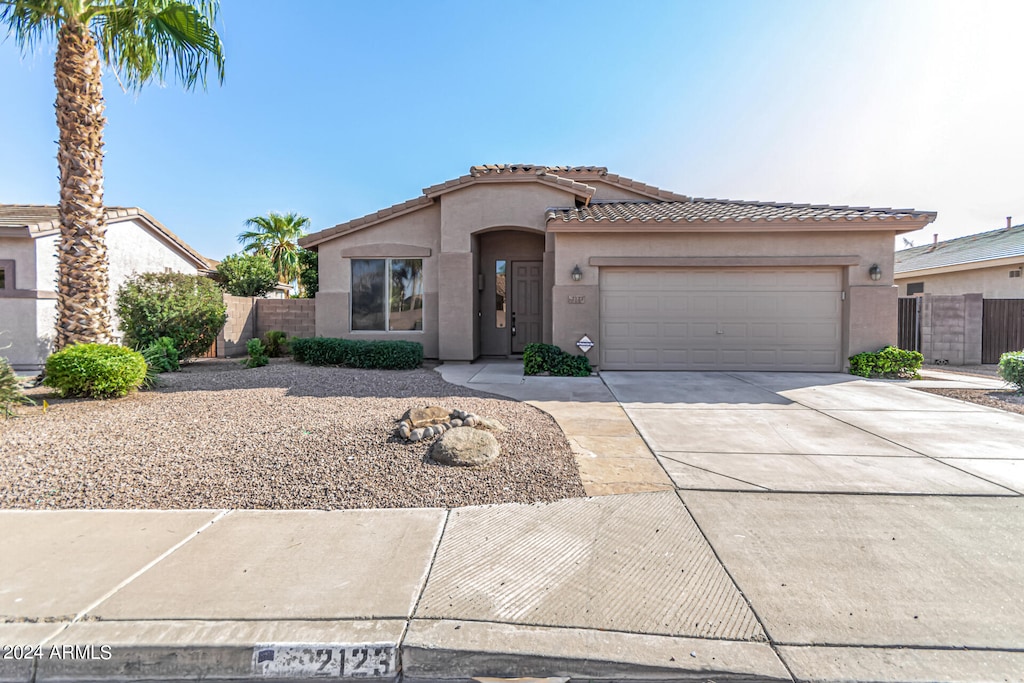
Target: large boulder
{"x": 465, "y": 447}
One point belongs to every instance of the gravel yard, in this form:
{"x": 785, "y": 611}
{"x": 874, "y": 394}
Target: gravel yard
{"x": 284, "y": 436}
{"x": 1003, "y": 399}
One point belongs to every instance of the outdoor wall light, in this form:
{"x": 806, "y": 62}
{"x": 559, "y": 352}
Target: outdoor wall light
{"x": 577, "y": 274}
{"x": 875, "y": 272}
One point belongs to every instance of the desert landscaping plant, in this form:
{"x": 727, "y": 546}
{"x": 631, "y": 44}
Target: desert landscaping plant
{"x": 162, "y": 356}
{"x": 95, "y": 371}
{"x": 188, "y": 309}
{"x": 887, "y": 363}
{"x": 140, "y": 41}
{"x": 257, "y": 354}
{"x": 276, "y": 342}
{"x": 1011, "y": 369}
{"x": 11, "y": 395}
{"x": 538, "y": 358}
{"x": 247, "y": 274}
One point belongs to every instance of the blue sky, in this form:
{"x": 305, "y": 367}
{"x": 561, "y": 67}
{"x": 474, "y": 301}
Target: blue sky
{"x": 337, "y": 109}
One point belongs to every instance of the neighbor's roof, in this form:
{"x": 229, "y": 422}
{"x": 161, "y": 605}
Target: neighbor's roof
{"x": 40, "y": 220}
{"x": 570, "y": 178}
{"x": 725, "y": 210}
{"x": 984, "y": 246}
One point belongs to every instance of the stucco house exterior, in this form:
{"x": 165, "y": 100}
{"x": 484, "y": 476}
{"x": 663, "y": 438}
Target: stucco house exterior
{"x": 29, "y": 239}
{"x": 987, "y": 263}
{"x": 511, "y": 254}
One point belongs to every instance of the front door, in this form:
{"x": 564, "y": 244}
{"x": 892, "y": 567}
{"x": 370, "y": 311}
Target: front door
{"x": 525, "y": 303}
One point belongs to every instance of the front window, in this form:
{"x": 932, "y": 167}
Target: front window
{"x": 387, "y": 294}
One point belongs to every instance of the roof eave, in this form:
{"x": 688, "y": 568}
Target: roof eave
{"x": 1000, "y": 262}
{"x": 896, "y": 225}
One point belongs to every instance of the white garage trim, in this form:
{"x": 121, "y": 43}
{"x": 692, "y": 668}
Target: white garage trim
{"x": 786, "y": 319}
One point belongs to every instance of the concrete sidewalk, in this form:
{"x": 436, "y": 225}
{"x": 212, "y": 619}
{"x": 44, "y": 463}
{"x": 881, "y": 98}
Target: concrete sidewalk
{"x": 820, "y": 569}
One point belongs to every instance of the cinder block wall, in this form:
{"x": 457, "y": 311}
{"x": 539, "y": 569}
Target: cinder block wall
{"x": 239, "y": 328}
{"x": 951, "y": 328}
{"x": 296, "y": 317}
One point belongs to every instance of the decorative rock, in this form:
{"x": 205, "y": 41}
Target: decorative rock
{"x": 404, "y": 430}
{"x": 465, "y": 447}
{"x": 490, "y": 424}
{"x": 456, "y": 422}
{"x": 416, "y": 434}
{"x": 426, "y": 416}
{"x": 469, "y": 421}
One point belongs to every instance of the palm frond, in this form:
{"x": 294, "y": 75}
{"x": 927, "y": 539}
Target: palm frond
{"x": 144, "y": 39}
{"x": 31, "y": 21}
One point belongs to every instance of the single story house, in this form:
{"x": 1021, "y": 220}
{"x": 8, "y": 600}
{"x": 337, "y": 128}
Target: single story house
{"x": 29, "y": 239}
{"x": 988, "y": 263}
{"x": 512, "y": 254}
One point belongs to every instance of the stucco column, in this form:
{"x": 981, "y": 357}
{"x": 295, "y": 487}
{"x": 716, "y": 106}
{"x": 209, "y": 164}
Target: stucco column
{"x": 456, "y": 315}
{"x": 873, "y": 318}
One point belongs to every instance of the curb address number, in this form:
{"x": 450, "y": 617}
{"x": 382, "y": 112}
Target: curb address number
{"x": 324, "y": 660}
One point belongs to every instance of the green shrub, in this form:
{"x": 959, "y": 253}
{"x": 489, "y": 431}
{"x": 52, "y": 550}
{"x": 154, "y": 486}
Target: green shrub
{"x": 247, "y": 274}
{"x": 187, "y": 308}
{"x": 11, "y": 395}
{"x": 538, "y": 358}
{"x": 356, "y": 353}
{"x": 257, "y": 354}
{"x": 1011, "y": 369}
{"x": 95, "y": 370}
{"x": 889, "y": 362}
{"x": 162, "y": 356}
{"x": 276, "y": 342}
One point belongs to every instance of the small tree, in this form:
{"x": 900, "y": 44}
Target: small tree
{"x": 187, "y": 308}
{"x": 247, "y": 274}
{"x": 309, "y": 274}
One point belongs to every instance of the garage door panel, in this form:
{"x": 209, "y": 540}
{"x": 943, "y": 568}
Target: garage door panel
{"x": 675, "y": 330}
{"x": 788, "y": 319}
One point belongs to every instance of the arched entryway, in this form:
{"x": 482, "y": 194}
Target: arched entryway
{"x": 510, "y": 263}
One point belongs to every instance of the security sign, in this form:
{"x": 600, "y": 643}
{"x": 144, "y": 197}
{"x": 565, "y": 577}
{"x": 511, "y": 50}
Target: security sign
{"x": 585, "y": 344}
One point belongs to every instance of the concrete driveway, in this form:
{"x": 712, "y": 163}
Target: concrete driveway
{"x": 876, "y": 530}
{"x": 825, "y": 433}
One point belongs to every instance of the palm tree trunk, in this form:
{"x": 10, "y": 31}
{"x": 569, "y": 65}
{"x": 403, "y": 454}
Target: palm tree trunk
{"x": 83, "y": 313}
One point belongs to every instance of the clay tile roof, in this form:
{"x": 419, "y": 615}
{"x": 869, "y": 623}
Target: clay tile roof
{"x": 724, "y": 210}
{"x": 44, "y": 219}
{"x": 983, "y": 246}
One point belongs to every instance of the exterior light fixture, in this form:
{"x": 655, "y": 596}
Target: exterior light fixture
{"x": 577, "y": 274}
{"x": 875, "y": 272}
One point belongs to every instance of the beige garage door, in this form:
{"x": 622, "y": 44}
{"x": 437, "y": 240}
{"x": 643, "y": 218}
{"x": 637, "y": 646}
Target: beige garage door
{"x": 721, "y": 319}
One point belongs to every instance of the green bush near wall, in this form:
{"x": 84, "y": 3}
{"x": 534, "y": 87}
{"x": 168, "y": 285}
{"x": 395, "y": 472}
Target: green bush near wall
{"x": 1011, "y": 369}
{"x": 95, "y": 371}
{"x": 888, "y": 363}
{"x": 357, "y": 353}
{"x": 538, "y": 358}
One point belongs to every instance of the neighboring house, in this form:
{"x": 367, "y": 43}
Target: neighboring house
{"x": 511, "y": 254}
{"x": 988, "y": 263}
{"x": 29, "y": 239}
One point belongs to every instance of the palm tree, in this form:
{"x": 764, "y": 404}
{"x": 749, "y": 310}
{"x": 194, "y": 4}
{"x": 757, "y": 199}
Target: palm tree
{"x": 140, "y": 40}
{"x": 277, "y": 236}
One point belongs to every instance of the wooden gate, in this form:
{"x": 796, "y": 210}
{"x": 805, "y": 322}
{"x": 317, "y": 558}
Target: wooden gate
{"x": 1002, "y": 328}
{"x": 909, "y": 335}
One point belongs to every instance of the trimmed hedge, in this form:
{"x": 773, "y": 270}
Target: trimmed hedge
{"x": 358, "y": 353}
{"x": 1011, "y": 369}
{"x": 890, "y": 362}
{"x": 538, "y": 358}
{"x": 95, "y": 371}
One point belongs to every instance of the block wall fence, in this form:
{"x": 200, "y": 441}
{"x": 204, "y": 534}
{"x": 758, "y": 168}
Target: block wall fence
{"x": 250, "y": 317}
